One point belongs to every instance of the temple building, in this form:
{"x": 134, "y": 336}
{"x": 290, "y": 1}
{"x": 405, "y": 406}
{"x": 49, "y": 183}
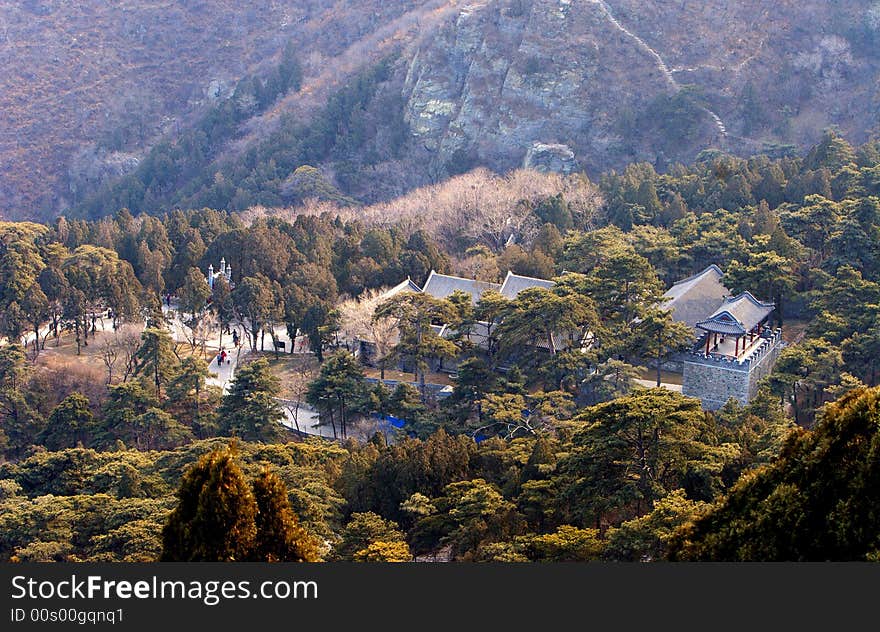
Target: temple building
{"x": 443, "y": 286}
{"x": 734, "y": 347}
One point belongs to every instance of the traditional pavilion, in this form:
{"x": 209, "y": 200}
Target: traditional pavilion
{"x": 734, "y": 347}
{"x": 735, "y": 327}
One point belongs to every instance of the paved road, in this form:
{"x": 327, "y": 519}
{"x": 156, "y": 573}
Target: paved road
{"x": 307, "y": 422}
{"x": 653, "y": 384}
{"x": 224, "y": 373}
{"x": 303, "y": 418}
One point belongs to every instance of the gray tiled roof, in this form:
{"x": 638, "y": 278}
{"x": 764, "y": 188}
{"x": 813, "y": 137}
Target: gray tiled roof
{"x": 693, "y": 298}
{"x": 515, "y": 283}
{"x": 403, "y": 286}
{"x": 442, "y": 285}
{"x": 737, "y": 315}
{"x": 479, "y": 334}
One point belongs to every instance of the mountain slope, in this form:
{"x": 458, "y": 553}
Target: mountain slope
{"x": 87, "y": 86}
{"x": 561, "y": 85}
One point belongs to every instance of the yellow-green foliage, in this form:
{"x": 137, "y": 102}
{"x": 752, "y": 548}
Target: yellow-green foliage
{"x": 81, "y": 504}
{"x": 819, "y": 501}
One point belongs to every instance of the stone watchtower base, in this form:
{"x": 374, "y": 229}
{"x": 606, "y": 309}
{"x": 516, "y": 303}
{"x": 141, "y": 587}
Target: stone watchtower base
{"x": 716, "y": 379}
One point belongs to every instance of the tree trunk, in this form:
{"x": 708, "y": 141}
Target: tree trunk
{"x": 296, "y": 415}
{"x": 659, "y": 356}
{"x": 342, "y": 416}
{"x": 45, "y": 338}
{"x": 254, "y": 333}
{"x": 332, "y": 424}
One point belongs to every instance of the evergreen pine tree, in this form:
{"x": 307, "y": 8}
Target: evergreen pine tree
{"x": 280, "y": 537}
{"x": 250, "y": 410}
{"x": 214, "y": 520}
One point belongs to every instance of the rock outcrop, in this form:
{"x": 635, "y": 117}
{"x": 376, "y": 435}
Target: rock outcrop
{"x": 553, "y": 158}
{"x": 502, "y": 76}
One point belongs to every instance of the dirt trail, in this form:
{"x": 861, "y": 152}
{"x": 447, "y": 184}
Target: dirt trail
{"x": 658, "y": 60}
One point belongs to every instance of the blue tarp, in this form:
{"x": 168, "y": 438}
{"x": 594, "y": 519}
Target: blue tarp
{"x": 391, "y": 419}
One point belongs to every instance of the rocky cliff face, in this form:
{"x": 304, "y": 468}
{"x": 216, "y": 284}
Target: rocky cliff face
{"x": 627, "y": 80}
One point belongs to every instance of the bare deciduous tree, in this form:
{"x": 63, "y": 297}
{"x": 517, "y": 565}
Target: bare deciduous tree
{"x": 110, "y": 351}
{"x": 485, "y": 206}
{"x": 130, "y": 342}
{"x": 357, "y": 322}
{"x": 197, "y": 329}
{"x": 206, "y": 325}
{"x": 481, "y": 265}
{"x": 298, "y": 385}
{"x": 119, "y": 350}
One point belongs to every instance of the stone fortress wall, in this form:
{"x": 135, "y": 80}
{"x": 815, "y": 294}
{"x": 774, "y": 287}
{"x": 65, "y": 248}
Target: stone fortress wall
{"x": 715, "y": 380}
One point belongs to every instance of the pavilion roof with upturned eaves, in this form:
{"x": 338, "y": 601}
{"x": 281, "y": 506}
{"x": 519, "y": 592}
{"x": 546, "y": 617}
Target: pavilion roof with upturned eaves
{"x": 737, "y": 315}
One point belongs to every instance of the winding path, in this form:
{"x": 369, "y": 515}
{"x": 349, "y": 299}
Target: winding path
{"x": 664, "y": 69}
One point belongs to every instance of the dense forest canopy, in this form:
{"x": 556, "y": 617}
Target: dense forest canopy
{"x": 600, "y": 468}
